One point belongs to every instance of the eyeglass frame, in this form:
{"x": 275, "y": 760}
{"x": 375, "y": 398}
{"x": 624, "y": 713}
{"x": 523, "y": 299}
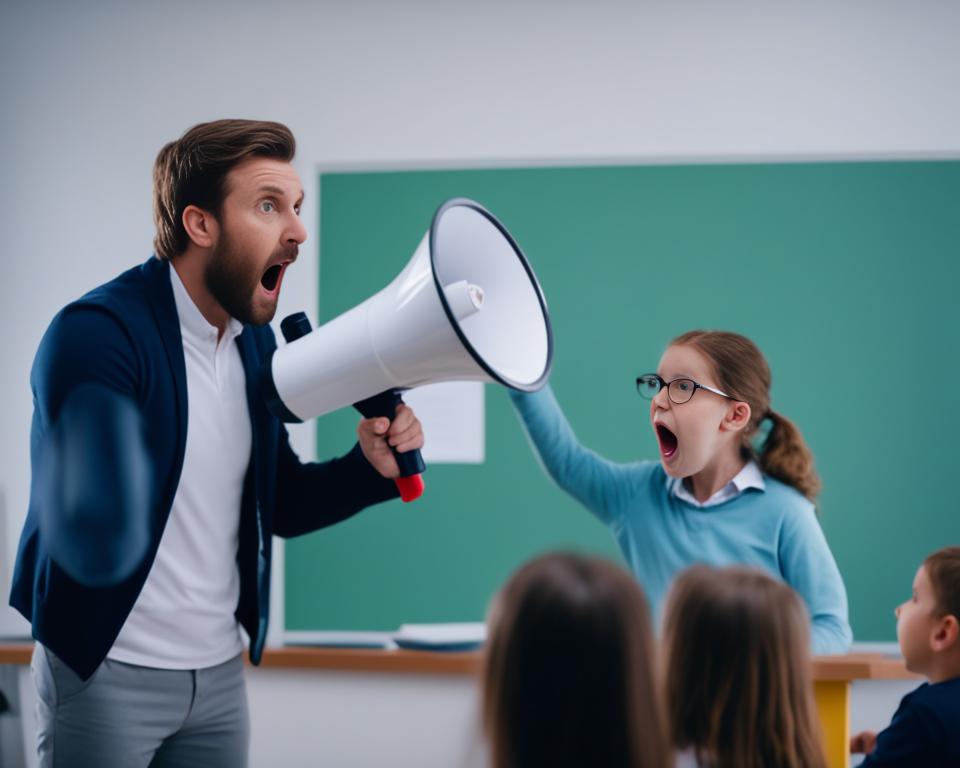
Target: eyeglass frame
{"x": 666, "y": 385}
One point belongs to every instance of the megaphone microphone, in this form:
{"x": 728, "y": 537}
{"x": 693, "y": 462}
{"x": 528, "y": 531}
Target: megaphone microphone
{"x": 467, "y": 307}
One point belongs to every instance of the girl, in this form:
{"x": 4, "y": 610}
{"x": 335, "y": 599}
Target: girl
{"x": 738, "y": 687}
{"x": 568, "y": 674}
{"x": 712, "y": 497}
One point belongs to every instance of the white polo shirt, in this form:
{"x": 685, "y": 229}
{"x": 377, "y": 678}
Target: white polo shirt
{"x": 184, "y": 616}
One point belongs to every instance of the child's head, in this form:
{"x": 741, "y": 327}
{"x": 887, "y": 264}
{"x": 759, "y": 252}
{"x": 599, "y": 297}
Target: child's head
{"x": 739, "y": 689}
{"x": 927, "y": 623}
{"x": 569, "y": 669}
{"x": 723, "y": 414}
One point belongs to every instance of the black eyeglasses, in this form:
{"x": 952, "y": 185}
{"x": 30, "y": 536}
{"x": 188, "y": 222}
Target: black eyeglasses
{"x": 679, "y": 390}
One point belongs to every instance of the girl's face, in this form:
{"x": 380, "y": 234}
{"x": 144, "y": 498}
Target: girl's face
{"x": 695, "y": 434}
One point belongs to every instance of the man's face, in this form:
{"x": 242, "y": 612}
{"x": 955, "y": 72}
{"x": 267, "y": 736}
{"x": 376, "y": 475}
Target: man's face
{"x": 260, "y": 233}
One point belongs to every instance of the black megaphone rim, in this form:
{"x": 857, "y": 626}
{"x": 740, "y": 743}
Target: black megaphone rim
{"x": 457, "y": 202}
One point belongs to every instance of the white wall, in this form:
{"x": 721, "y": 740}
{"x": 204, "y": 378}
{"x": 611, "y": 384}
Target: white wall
{"x": 90, "y": 91}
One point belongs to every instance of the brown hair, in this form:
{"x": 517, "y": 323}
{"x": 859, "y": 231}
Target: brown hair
{"x": 568, "y": 674}
{"x": 742, "y": 372}
{"x": 943, "y": 570}
{"x": 739, "y": 689}
{"x": 193, "y": 169}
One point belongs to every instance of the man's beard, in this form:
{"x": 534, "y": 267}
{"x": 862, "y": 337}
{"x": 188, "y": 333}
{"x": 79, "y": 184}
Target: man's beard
{"x": 233, "y": 285}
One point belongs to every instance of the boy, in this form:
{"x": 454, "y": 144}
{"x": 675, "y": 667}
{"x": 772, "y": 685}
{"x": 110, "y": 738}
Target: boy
{"x": 925, "y": 730}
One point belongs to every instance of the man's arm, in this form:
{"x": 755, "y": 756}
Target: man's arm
{"x": 91, "y": 480}
{"x": 316, "y": 495}
{"x": 313, "y": 496}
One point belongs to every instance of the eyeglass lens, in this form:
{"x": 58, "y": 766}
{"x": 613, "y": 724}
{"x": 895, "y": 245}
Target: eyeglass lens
{"x": 648, "y": 386}
{"x": 681, "y": 390}
{"x": 678, "y": 390}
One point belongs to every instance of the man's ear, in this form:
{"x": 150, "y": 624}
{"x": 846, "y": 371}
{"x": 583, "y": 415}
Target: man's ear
{"x": 946, "y": 633}
{"x": 737, "y": 416}
{"x": 201, "y": 226}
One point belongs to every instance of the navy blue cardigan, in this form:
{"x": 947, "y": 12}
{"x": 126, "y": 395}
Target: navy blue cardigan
{"x": 125, "y": 335}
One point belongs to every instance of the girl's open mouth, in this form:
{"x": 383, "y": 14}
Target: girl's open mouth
{"x": 668, "y": 441}
{"x": 272, "y": 277}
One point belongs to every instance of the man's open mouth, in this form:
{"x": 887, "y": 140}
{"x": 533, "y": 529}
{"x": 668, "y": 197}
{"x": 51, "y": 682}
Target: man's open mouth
{"x": 668, "y": 441}
{"x": 272, "y": 277}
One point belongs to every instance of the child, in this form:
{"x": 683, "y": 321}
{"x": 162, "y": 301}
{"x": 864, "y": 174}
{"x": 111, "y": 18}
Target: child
{"x": 925, "y": 730}
{"x": 568, "y": 674}
{"x": 712, "y": 497}
{"x": 738, "y": 687}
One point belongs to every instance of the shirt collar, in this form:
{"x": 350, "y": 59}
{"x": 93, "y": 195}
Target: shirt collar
{"x": 192, "y": 320}
{"x": 748, "y": 477}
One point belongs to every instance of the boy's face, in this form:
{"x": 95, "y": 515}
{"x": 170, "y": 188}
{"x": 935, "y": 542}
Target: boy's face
{"x": 260, "y": 235}
{"x": 917, "y": 624}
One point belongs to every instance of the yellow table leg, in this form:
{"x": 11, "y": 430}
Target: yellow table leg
{"x": 833, "y": 705}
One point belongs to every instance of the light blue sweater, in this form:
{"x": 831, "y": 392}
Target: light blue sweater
{"x": 775, "y": 529}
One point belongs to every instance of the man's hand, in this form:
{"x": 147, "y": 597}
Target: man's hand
{"x": 863, "y": 742}
{"x": 379, "y": 434}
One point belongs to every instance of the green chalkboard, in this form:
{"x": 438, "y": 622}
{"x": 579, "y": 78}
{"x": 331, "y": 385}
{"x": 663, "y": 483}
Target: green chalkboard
{"x": 845, "y": 274}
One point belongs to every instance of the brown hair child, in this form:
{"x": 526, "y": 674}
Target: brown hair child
{"x": 568, "y": 676}
{"x": 738, "y": 687}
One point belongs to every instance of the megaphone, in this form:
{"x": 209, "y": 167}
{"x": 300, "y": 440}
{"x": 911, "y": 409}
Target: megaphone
{"x": 467, "y": 307}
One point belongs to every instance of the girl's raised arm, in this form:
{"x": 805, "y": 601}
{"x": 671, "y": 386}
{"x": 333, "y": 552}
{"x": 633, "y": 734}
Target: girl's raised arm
{"x": 596, "y": 482}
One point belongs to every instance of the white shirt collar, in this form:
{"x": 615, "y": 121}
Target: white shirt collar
{"x": 192, "y": 320}
{"x": 748, "y": 477}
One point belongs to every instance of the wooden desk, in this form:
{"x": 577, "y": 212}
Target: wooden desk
{"x": 15, "y": 653}
{"x": 832, "y": 676}
{"x": 343, "y": 659}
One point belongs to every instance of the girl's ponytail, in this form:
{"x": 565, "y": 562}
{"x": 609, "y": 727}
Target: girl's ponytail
{"x": 786, "y": 457}
{"x": 742, "y": 371}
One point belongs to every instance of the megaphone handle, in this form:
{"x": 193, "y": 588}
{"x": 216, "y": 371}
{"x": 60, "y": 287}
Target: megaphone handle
{"x": 410, "y": 482}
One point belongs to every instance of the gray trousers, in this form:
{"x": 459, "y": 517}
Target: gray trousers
{"x": 127, "y": 716}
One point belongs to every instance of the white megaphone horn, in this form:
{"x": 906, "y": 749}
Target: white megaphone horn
{"x": 467, "y": 307}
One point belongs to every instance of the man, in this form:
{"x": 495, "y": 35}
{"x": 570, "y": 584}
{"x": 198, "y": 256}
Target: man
{"x": 159, "y": 476}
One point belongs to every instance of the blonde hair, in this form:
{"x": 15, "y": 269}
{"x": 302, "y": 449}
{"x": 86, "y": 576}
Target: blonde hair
{"x": 739, "y": 689}
{"x": 568, "y": 672}
{"x": 742, "y": 372}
